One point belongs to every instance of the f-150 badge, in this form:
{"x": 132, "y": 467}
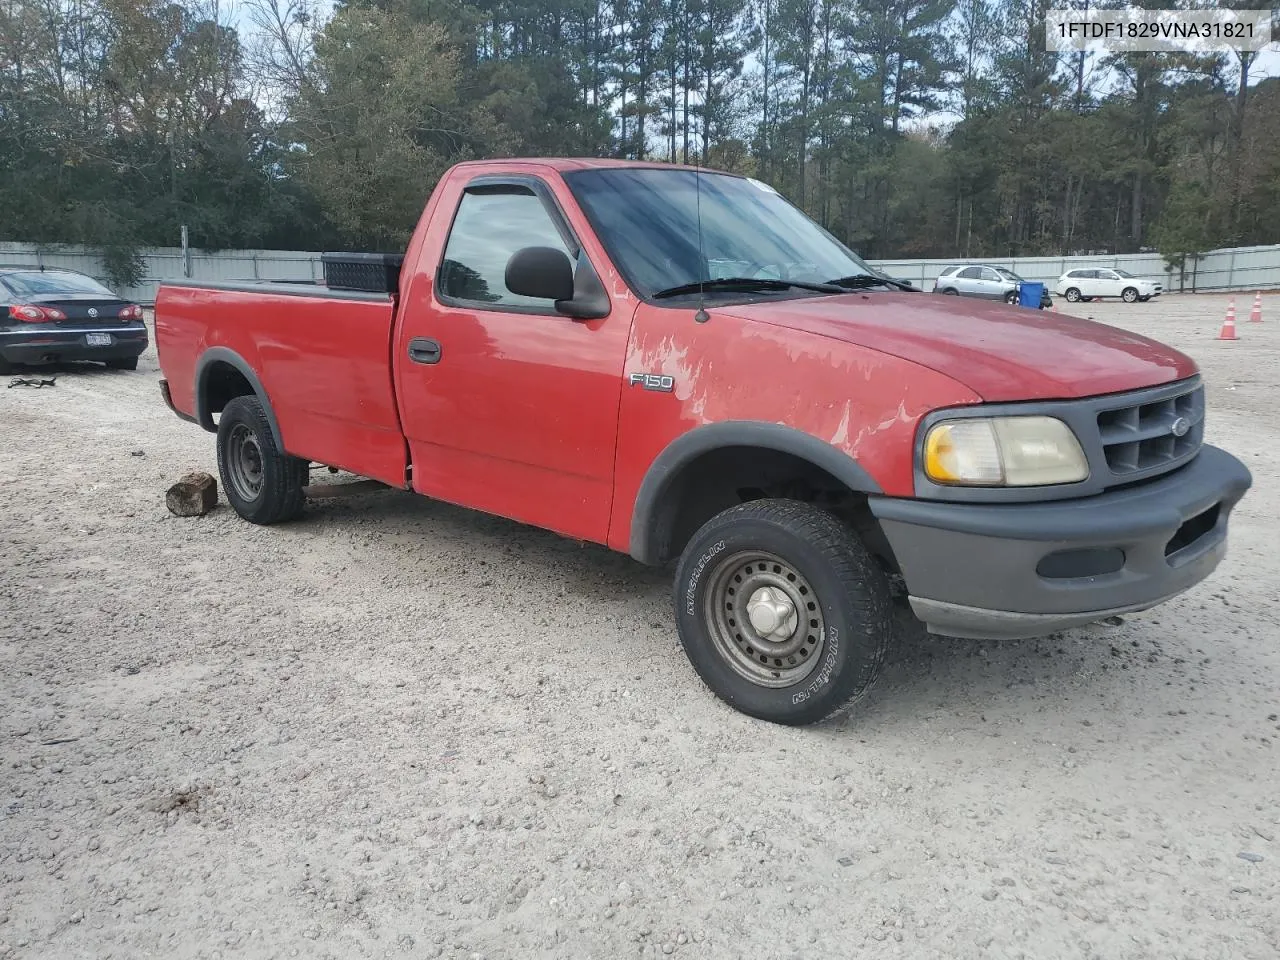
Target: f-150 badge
{"x": 653, "y": 381}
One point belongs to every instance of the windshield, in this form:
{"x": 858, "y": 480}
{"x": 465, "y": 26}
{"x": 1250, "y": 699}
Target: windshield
{"x": 1124, "y": 273}
{"x": 648, "y": 220}
{"x": 1009, "y": 275}
{"x": 52, "y": 283}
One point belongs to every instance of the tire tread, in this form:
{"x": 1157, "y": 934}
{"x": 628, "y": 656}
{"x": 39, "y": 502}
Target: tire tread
{"x": 851, "y": 564}
{"x": 283, "y": 497}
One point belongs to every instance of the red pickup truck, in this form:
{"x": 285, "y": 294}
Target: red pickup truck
{"x": 683, "y": 366}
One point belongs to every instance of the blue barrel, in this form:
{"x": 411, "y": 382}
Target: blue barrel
{"x": 1029, "y": 294}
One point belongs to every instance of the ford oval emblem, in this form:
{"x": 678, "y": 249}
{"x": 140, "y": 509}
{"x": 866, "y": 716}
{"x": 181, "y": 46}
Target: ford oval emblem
{"x": 93, "y": 311}
{"x": 1180, "y": 427}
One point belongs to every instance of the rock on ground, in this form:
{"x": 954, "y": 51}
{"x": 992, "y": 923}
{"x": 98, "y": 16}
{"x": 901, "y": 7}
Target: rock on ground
{"x": 192, "y": 496}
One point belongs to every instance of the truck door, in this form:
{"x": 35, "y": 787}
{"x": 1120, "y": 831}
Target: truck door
{"x": 1108, "y": 283}
{"x": 969, "y": 281}
{"x": 993, "y": 285}
{"x": 508, "y": 406}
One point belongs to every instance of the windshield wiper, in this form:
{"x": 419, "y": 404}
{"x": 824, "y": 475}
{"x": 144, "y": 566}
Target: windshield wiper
{"x": 746, "y": 285}
{"x": 857, "y": 281}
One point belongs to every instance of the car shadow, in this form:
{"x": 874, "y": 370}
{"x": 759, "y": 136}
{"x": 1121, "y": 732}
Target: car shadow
{"x": 924, "y": 674}
{"x": 45, "y": 371}
{"x": 407, "y": 516}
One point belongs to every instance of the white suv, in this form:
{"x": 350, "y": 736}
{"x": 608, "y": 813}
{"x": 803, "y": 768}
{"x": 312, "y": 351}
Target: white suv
{"x": 1087, "y": 285}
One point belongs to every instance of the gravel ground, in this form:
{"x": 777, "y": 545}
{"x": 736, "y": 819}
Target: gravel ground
{"x": 397, "y": 728}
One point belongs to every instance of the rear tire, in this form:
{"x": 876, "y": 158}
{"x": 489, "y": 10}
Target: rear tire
{"x": 6, "y": 368}
{"x": 262, "y": 483}
{"x": 1072, "y": 294}
{"x": 826, "y": 625}
{"x": 951, "y": 292}
{"x": 130, "y": 363}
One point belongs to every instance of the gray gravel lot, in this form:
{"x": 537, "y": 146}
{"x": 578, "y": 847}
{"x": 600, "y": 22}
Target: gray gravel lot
{"x": 400, "y": 729}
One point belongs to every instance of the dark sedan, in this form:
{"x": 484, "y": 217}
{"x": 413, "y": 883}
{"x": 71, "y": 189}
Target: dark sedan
{"x": 49, "y": 315}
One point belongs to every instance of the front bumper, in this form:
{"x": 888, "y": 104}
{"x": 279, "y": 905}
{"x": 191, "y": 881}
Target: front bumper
{"x": 1028, "y": 569}
{"x": 52, "y": 344}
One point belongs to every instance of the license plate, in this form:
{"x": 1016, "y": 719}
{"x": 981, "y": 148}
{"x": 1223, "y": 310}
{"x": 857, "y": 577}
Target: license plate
{"x": 98, "y": 339}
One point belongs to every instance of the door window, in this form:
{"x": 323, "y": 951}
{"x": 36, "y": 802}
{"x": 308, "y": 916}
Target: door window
{"x": 970, "y": 273}
{"x": 989, "y": 274}
{"x": 491, "y": 224}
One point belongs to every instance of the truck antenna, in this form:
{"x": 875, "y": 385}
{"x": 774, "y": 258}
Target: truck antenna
{"x": 701, "y": 316}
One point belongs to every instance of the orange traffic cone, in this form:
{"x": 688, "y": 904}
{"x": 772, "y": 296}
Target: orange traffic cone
{"x": 1228, "y": 331}
{"x": 1255, "y": 315}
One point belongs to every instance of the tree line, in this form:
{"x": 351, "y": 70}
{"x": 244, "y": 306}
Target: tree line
{"x": 914, "y": 128}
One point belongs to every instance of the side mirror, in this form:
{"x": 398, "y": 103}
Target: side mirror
{"x": 542, "y": 272}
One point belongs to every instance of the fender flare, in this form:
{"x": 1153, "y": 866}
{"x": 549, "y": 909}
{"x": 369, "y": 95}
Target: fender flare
{"x": 680, "y": 452}
{"x": 226, "y": 355}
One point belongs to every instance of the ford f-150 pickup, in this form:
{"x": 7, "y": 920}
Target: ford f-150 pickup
{"x": 683, "y": 366}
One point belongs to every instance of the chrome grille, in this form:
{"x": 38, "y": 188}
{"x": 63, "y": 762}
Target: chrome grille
{"x": 1153, "y": 435}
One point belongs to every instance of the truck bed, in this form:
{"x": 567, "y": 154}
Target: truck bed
{"x": 322, "y": 355}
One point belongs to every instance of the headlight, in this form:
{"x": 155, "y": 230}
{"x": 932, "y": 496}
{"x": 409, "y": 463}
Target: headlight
{"x": 1004, "y": 451}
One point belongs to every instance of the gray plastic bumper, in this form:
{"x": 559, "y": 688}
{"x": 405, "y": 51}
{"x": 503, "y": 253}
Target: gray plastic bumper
{"x": 1028, "y": 569}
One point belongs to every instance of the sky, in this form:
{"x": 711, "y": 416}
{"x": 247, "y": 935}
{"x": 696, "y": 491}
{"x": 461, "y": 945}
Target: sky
{"x": 1266, "y": 65}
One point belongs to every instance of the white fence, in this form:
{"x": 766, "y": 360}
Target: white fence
{"x": 1240, "y": 268}
{"x": 168, "y": 263}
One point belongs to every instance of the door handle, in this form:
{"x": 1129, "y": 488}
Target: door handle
{"x": 424, "y": 350}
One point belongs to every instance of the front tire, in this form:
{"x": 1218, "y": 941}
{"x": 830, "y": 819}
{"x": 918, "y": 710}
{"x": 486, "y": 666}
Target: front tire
{"x": 1072, "y": 295}
{"x": 262, "y": 483}
{"x": 1129, "y": 295}
{"x": 782, "y": 611}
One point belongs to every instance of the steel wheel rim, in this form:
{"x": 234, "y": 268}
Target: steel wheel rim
{"x": 244, "y": 462}
{"x": 777, "y": 660}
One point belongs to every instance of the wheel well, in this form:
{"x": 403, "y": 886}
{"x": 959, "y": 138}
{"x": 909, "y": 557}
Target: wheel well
{"x": 726, "y": 476}
{"x": 222, "y": 384}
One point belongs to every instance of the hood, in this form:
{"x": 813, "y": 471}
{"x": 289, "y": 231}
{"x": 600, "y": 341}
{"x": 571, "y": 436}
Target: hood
{"x": 1000, "y": 352}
